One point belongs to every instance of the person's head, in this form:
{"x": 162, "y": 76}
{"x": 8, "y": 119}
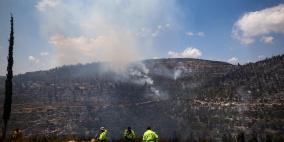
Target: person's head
{"x": 17, "y": 130}
{"x": 129, "y": 128}
{"x": 102, "y": 129}
{"x": 148, "y": 128}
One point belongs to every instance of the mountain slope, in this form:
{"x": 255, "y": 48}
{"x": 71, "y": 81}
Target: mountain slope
{"x": 189, "y": 97}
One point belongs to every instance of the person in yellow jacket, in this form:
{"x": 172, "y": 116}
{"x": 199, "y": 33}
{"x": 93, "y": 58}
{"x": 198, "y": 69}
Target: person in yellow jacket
{"x": 102, "y": 135}
{"x": 150, "y": 136}
{"x": 129, "y": 135}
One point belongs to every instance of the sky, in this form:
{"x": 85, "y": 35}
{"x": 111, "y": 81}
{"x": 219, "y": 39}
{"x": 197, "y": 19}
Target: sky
{"x": 51, "y": 33}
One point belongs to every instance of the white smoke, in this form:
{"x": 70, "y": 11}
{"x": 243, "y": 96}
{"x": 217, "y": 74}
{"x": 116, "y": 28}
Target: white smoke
{"x": 155, "y": 91}
{"x": 100, "y": 30}
{"x": 177, "y": 74}
{"x": 139, "y": 74}
{"x": 180, "y": 71}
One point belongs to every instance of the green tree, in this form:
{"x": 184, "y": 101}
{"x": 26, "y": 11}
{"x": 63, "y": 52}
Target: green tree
{"x": 8, "y": 82}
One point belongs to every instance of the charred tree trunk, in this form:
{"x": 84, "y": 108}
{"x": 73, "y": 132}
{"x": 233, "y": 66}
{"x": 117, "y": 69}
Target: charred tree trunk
{"x": 8, "y": 82}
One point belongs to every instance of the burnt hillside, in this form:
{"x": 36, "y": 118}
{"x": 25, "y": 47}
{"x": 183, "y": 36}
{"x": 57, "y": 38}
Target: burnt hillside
{"x": 188, "y": 97}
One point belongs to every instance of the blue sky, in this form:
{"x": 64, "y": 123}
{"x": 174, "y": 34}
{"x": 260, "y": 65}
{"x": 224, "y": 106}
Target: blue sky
{"x": 51, "y": 33}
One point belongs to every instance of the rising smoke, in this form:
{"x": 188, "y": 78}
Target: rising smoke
{"x": 140, "y": 75}
{"x": 99, "y": 30}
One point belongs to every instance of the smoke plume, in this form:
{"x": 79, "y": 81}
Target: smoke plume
{"x": 99, "y": 30}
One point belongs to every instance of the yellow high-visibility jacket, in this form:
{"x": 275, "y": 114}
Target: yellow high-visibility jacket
{"x": 130, "y": 135}
{"x": 150, "y": 136}
{"x": 103, "y": 136}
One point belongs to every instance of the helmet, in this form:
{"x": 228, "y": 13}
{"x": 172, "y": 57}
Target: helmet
{"x": 102, "y": 128}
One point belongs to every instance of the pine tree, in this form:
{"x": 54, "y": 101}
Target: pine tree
{"x": 8, "y": 83}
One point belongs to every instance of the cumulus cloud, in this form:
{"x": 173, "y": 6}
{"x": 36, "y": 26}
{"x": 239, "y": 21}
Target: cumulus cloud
{"x": 99, "y": 30}
{"x": 267, "y": 39}
{"x": 233, "y": 60}
{"x": 259, "y": 23}
{"x": 42, "y": 5}
{"x": 187, "y": 53}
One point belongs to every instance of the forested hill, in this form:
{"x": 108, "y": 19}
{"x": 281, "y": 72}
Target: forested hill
{"x": 187, "y": 97}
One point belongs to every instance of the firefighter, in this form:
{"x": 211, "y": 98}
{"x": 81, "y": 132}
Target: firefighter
{"x": 102, "y": 137}
{"x": 17, "y": 135}
{"x": 129, "y": 135}
{"x": 150, "y": 136}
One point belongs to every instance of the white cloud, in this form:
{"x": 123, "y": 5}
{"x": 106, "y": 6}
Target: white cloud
{"x": 189, "y": 33}
{"x": 168, "y": 25}
{"x": 44, "y": 54}
{"x": 153, "y": 32}
{"x": 187, "y": 53}
{"x": 42, "y": 5}
{"x": 200, "y": 34}
{"x": 267, "y": 39}
{"x": 259, "y": 23}
{"x": 33, "y": 59}
{"x": 260, "y": 57}
{"x": 233, "y": 60}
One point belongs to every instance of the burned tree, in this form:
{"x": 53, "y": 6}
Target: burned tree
{"x": 8, "y": 82}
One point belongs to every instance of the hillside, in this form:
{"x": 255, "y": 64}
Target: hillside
{"x": 187, "y": 97}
